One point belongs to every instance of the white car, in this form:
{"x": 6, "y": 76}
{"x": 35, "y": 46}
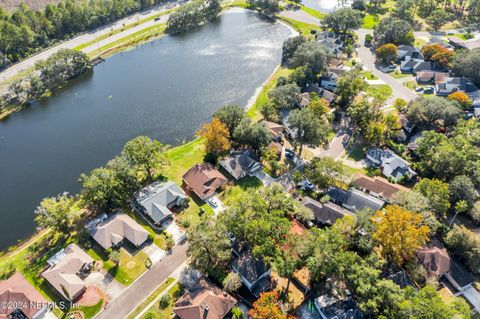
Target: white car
{"x": 213, "y": 202}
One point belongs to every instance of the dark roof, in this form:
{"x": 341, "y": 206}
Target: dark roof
{"x": 249, "y": 267}
{"x": 332, "y": 308}
{"x": 410, "y": 51}
{"x": 401, "y": 278}
{"x": 460, "y": 274}
{"x": 327, "y": 213}
{"x": 354, "y": 199}
{"x": 435, "y": 258}
{"x": 327, "y": 95}
{"x": 239, "y": 164}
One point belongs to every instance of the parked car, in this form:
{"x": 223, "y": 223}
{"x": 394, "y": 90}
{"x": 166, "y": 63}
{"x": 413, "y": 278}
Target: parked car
{"x": 306, "y": 185}
{"x": 428, "y": 90}
{"x": 289, "y": 153}
{"x": 231, "y": 236}
{"x": 213, "y": 202}
{"x": 157, "y": 19}
{"x": 419, "y": 89}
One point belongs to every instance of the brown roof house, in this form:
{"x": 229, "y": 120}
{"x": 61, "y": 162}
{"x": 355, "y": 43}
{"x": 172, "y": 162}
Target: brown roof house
{"x": 115, "y": 229}
{"x": 67, "y": 269}
{"x": 378, "y": 186}
{"x": 327, "y": 213}
{"x": 274, "y": 128}
{"x": 20, "y": 299}
{"x": 206, "y": 301}
{"x": 203, "y": 180}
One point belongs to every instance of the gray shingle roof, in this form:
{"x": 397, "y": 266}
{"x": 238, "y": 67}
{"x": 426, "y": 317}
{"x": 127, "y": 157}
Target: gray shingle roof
{"x": 354, "y": 199}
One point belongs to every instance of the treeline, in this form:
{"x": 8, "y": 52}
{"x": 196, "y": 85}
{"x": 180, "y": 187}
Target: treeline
{"x": 193, "y": 14}
{"x": 25, "y": 31}
{"x": 48, "y": 74}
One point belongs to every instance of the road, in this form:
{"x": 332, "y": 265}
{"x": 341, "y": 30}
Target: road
{"x": 87, "y": 37}
{"x": 145, "y": 285}
{"x": 368, "y": 60}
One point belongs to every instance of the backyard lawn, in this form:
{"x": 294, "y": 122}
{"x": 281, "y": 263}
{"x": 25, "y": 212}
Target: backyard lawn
{"x": 88, "y": 311}
{"x": 381, "y": 90}
{"x": 369, "y": 21}
{"x": 233, "y": 193}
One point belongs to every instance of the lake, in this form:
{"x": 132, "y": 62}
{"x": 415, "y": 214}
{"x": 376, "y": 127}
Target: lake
{"x": 164, "y": 89}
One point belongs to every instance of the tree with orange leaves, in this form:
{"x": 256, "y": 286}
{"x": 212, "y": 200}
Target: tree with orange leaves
{"x": 461, "y": 98}
{"x": 216, "y": 136}
{"x": 268, "y": 307}
{"x": 399, "y": 233}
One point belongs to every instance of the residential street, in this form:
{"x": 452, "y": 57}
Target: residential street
{"x": 90, "y": 36}
{"x": 145, "y": 285}
{"x": 368, "y": 60}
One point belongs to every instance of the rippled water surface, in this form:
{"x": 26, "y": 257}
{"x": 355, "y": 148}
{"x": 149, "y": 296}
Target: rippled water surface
{"x": 164, "y": 89}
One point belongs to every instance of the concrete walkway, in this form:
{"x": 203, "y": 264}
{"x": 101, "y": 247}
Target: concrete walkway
{"x": 299, "y": 15}
{"x": 145, "y": 285}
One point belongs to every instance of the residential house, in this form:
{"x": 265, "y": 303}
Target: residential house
{"x": 378, "y": 186}
{"x": 304, "y": 99}
{"x": 326, "y": 214}
{"x": 430, "y": 77}
{"x": 206, "y": 301}
{"x": 331, "y": 42}
{"x": 452, "y": 275}
{"x": 335, "y": 63}
{"x": 274, "y": 128}
{"x": 393, "y": 166}
{"x": 454, "y": 84}
{"x": 408, "y": 52}
{"x": 67, "y": 271}
{"x": 241, "y": 165}
{"x": 253, "y": 272}
{"x": 413, "y": 142}
{"x": 469, "y": 44}
{"x": 19, "y": 299}
{"x": 158, "y": 199}
{"x": 203, "y": 180}
{"x": 117, "y": 228}
{"x": 321, "y": 93}
{"x": 354, "y": 199}
{"x": 329, "y": 81}
{"x": 333, "y": 308}
{"x": 438, "y": 40}
{"x": 415, "y": 65}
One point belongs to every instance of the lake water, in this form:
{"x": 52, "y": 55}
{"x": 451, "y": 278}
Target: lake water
{"x": 164, "y": 89}
{"x": 326, "y": 6}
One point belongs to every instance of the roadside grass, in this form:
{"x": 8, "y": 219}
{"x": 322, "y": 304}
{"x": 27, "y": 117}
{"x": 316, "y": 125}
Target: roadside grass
{"x": 302, "y": 27}
{"x": 369, "y": 75}
{"x": 156, "y": 312}
{"x": 237, "y": 3}
{"x": 399, "y": 75}
{"x": 370, "y": 20}
{"x": 313, "y": 12}
{"x": 233, "y": 193}
{"x": 262, "y": 99}
{"x": 350, "y": 171}
{"x": 150, "y": 298}
{"x": 462, "y": 36}
{"x": 380, "y": 90}
{"x": 357, "y": 153}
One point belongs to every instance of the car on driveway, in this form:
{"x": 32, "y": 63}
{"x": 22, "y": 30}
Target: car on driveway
{"x": 306, "y": 185}
{"x": 419, "y": 89}
{"x": 289, "y": 153}
{"x": 213, "y": 202}
{"x": 428, "y": 90}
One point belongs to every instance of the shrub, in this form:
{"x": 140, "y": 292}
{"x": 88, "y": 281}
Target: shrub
{"x": 164, "y": 301}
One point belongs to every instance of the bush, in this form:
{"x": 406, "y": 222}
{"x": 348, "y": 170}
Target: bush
{"x": 164, "y": 301}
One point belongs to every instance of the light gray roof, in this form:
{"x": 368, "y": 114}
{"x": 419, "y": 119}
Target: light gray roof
{"x": 156, "y": 198}
{"x": 112, "y": 231}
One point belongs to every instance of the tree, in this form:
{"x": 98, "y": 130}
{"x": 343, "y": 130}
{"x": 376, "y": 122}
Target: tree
{"x": 56, "y": 212}
{"x": 255, "y": 135}
{"x": 265, "y": 6}
{"x": 343, "y": 20}
{"x": 232, "y": 282}
{"x": 433, "y": 112}
{"x": 349, "y": 85}
{"x": 285, "y": 97}
{"x": 474, "y": 213}
{"x": 216, "y": 136}
{"x": 285, "y": 265}
{"x": 114, "y": 256}
{"x": 462, "y": 99}
{"x": 437, "y": 19}
{"x": 393, "y": 30}
{"x": 231, "y": 116}
{"x": 399, "y": 233}
{"x": 460, "y": 207}
{"x": 462, "y": 188}
{"x": 290, "y": 46}
{"x": 319, "y": 106}
{"x": 313, "y": 57}
{"x": 145, "y": 155}
{"x": 464, "y": 243}
{"x": 267, "y": 307}
{"x": 324, "y": 172}
{"x": 192, "y": 14}
{"x": 308, "y": 128}
{"x": 465, "y": 63}
{"x": 404, "y": 10}
{"x": 209, "y": 248}
{"x": 436, "y": 192}
{"x": 386, "y": 53}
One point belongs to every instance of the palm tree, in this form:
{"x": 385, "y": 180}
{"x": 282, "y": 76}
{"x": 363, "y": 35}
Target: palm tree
{"x": 460, "y": 207}
{"x": 285, "y": 264}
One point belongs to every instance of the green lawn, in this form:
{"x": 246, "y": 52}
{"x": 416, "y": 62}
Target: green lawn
{"x": 156, "y": 312}
{"x": 89, "y": 311}
{"x": 399, "y": 75}
{"x": 381, "y": 90}
{"x": 369, "y": 75}
{"x": 313, "y": 12}
{"x": 233, "y": 193}
{"x": 302, "y": 27}
{"x": 150, "y": 298}
{"x": 159, "y": 237}
{"x": 419, "y": 43}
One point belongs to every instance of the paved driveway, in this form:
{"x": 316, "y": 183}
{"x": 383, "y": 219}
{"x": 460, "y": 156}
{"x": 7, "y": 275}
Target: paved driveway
{"x": 368, "y": 60}
{"x": 145, "y": 285}
{"x": 175, "y": 231}
{"x": 106, "y": 283}
{"x": 154, "y": 252}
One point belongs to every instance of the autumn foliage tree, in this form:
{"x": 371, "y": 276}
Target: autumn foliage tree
{"x": 461, "y": 98}
{"x": 386, "y": 53}
{"x": 438, "y": 53}
{"x": 216, "y": 136}
{"x": 399, "y": 233}
{"x": 268, "y": 307}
